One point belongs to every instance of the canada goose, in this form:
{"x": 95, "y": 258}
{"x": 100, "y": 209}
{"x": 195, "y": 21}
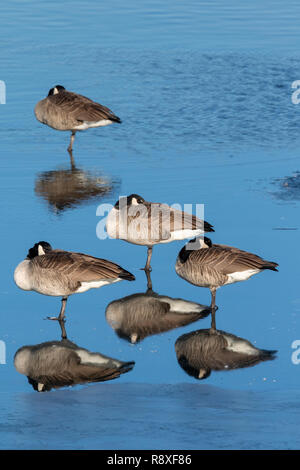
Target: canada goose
{"x": 67, "y": 111}
{"x": 140, "y": 315}
{"x": 288, "y": 187}
{"x": 62, "y": 273}
{"x": 56, "y": 364}
{"x": 148, "y": 223}
{"x": 202, "y": 351}
{"x": 68, "y": 188}
{"x": 205, "y": 264}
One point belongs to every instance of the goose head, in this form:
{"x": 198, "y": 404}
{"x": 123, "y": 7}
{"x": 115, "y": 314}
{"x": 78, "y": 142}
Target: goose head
{"x": 39, "y": 249}
{"x": 132, "y": 200}
{"x": 55, "y": 90}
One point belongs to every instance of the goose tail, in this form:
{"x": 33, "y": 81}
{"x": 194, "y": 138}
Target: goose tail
{"x": 270, "y": 265}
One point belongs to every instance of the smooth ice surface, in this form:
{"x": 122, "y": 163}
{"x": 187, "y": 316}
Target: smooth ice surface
{"x": 181, "y": 416}
{"x": 204, "y": 93}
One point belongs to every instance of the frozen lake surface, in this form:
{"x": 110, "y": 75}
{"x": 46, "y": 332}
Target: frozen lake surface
{"x": 204, "y": 94}
{"x": 161, "y": 416}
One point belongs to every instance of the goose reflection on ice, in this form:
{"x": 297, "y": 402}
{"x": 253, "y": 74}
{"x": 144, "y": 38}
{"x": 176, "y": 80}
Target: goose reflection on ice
{"x": 68, "y": 188}
{"x": 201, "y": 351}
{"x": 289, "y": 187}
{"x": 56, "y": 364}
{"x": 143, "y": 314}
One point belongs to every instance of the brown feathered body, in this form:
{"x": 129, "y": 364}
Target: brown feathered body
{"x": 139, "y": 315}
{"x": 68, "y": 111}
{"x": 62, "y": 273}
{"x": 149, "y": 223}
{"x": 214, "y": 265}
{"x": 201, "y": 351}
{"x": 57, "y": 364}
{"x": 68, "y": 188}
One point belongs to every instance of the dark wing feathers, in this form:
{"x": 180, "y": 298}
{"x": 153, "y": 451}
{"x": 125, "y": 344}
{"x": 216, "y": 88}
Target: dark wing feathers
{"x": 180, "y": 220}
{"x": 169, "y": 219}
{"x": 95, "y": 112}
{"x": 82, "y": 108}
{"x": 203, "y": 350}
{"x": 81, "y": 267}
{"x": 227, "y": 260}
{"x": 81, "y": 374}
{"x": 65, "y": 368}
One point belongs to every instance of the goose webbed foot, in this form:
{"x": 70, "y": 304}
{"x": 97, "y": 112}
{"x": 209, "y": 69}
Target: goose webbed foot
{"x": 61, "y": 316}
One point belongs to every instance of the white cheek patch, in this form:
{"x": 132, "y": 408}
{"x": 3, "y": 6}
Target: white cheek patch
{"x": 202, "y": 373}
{"x": 41, "y": 250}
{"x": 133, "y": 338}
{"x": 55, "y": 91}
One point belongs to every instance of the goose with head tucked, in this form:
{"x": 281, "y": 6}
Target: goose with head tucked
{"x": 205, "y": 264}
{"x": 149, "y": 223}
{"x": 64, "y": 110}
{"x": 56, "y": 364}
{"x": 62, "y": 273}
{"x": 137, "y": 316}
{"x": 199, "y": 352}
{"x": 65, "y": 189}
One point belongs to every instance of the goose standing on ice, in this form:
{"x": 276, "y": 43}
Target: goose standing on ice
{"x": 148, "y": 223}
{"x": 67, "y": 111}
{"x": 205, "y": 264}
{"x": 62, "y": 273}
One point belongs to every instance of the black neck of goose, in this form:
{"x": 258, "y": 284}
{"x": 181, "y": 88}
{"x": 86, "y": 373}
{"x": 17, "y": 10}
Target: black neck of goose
{"x": 33, "y": 383}
{"x": 184, "y": 254}
{"x": 208, "y": 242}
{"x": 195, "y": 244}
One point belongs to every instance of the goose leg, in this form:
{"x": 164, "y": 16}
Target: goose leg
{"x": 149, "y": 282}
{"x": 62, "y": 311}
{"x": 71, "y": 141}
{"x": 213, "y": 310}
{"x": 62, "y": 328}
{"x": 149, "y": 255}
{"x": 72, "y": 161}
